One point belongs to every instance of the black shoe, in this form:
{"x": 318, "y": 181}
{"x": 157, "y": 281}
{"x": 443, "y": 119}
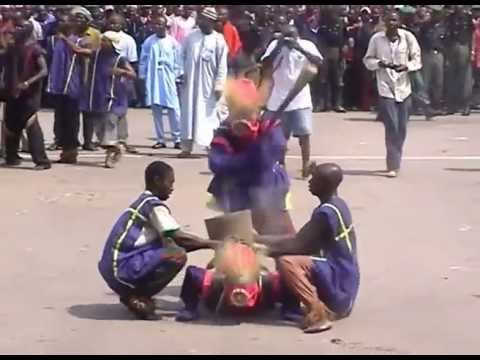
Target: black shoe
{"x": 177, "y": 146}
{"x": 54, "y": 147}
{"x": 45, "y": 166}
{"x": 13, "y": 162}
{"x": 89, "y": 147}
{"x": 159, "y": 145}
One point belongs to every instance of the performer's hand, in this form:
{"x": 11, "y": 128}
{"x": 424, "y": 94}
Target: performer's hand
{"x": 118, "y": 72}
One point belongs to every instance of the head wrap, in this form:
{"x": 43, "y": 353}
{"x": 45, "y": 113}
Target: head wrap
{"x": 210, "y": 13}
{"x": 114, "y": 37}
{"x": 82, "y": 11}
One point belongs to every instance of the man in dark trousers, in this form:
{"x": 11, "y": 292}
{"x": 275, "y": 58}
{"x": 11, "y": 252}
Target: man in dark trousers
{"x": 25, "y": 68}
{"x": 431, "y": 39}
{"x": 459, "y": 45}
{"x": 332, "y": 34}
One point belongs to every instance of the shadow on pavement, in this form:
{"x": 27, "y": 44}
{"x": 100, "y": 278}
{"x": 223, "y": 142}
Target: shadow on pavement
{"x": 463, "y": 169}
{"x": 375, "y": 173}
{"x": 101, "y": 312}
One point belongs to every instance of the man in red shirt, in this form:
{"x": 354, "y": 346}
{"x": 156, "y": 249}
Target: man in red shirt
{"x": 230, "y": 33}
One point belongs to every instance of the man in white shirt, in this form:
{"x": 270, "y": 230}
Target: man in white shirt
{"x": 392, "y": 54}
{"x": 288, "y": 56}
{"x": 128, "y": 49}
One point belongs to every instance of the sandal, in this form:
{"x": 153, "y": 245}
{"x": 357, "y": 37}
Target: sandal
{"x": 142, "y": 308}
{"x": 159, "y": 145}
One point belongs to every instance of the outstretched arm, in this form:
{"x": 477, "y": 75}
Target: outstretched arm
{"x": 191, "y": 242}
{"x": 306, "y": 242}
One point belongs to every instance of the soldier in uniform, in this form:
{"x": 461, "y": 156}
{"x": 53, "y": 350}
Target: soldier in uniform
{"x": 432, "y": 42}
{"x": 459, "y": 26}
{"x": 332, "y": 34}
{"x": 420, "y": 98}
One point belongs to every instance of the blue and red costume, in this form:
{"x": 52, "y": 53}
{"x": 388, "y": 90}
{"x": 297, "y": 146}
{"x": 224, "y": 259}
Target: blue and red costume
{"x": 248, "y": 174}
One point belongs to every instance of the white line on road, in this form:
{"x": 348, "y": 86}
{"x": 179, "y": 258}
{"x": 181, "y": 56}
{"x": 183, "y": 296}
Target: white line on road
{"x": 319, "y": 157}
{"x": 414, "y": 158}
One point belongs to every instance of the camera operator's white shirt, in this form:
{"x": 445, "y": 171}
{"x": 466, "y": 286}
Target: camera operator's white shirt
{"x": 287, "y": 67}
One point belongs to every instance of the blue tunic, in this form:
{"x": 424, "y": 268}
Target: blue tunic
{"x": 164, "y": 66}
{"x": 65, "y": 68}
{"x": 103, "y": 91}
{"x": 125, "y": 263}
{"x": 248, "y": 176}
{"x": 336, "y": 272}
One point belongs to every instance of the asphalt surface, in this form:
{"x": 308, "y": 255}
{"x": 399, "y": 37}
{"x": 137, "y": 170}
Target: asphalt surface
{"x": 418, "y": 239}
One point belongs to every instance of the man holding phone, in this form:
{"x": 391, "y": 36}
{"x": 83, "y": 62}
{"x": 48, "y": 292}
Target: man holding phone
{"x": 392, "y": 54}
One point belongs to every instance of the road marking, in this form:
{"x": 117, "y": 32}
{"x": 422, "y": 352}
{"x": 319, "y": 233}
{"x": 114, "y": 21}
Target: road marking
{"x": 313, "y": 157}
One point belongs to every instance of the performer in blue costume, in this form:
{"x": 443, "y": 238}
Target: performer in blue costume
{"x": 245, "y": 157}
{"x": 320, "y": 267}
{"x": 146, "y": 248}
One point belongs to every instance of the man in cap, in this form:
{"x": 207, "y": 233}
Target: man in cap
{"x": 89, "y": 41}
{"x": 205, "y": 67}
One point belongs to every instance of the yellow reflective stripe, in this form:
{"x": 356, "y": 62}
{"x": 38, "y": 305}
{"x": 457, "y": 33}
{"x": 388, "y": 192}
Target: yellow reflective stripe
{"x": 345, "y": 232}
{"x": 122, "y": 237}
{"x": 136, "y": 213}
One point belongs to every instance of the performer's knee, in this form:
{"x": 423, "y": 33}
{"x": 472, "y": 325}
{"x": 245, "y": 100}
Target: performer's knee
{"x": 285, "y": 264}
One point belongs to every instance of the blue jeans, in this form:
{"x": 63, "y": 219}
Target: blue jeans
{"x": 395, "y": 116}
{"x": 174, "y": 119}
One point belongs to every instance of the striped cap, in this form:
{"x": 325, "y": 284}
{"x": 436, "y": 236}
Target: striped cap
{"x": 210, "y": 13}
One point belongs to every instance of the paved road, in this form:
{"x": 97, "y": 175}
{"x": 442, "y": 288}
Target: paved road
{"x": 418, "y": 245}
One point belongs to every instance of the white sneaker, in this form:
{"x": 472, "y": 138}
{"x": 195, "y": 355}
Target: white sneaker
{"x": 392, "y": 174}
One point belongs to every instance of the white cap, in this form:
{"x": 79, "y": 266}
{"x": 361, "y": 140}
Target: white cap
{"x": 109, "y": 7}
{"x": 367, "y": 9}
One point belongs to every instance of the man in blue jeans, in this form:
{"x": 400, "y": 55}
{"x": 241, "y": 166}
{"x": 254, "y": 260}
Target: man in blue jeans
{"x": 393, "y": 54}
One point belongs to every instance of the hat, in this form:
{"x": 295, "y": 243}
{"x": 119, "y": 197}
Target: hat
{"x": 80, "y": 10}
{"x": 367, "y": 9}
{"x": 210, "y": 13}
{"x": 109, "y": 7}
{"x": 435, "y": 7}
{"x": 114, "y": 37}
